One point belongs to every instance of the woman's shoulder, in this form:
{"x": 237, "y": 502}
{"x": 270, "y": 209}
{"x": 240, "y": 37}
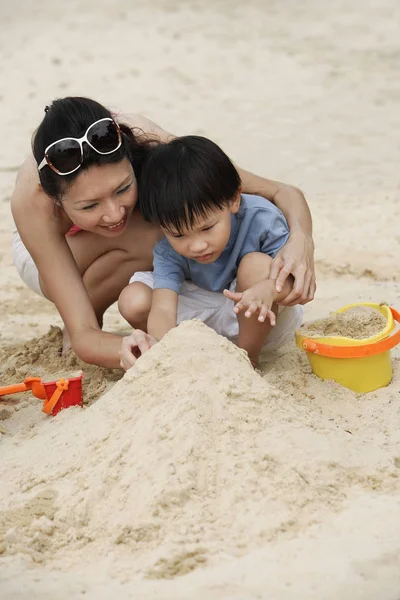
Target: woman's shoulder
{"x": 30, "y": 204}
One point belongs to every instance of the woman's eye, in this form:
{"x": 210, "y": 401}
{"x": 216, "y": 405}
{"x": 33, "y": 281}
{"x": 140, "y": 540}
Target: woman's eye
{"x": 125, "y": 189}
{"x": 89, "y": 206}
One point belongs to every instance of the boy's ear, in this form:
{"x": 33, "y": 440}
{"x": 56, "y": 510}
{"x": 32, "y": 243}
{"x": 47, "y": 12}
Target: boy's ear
{"x": 235, "y": 203}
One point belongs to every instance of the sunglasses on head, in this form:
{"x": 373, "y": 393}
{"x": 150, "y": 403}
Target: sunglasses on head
{"x": 66, "y": 155}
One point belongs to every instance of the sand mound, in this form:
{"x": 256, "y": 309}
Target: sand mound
{"x": 190, "y": 459}
{"x": 41, "y": 357}
{"x": 358, "y": 323}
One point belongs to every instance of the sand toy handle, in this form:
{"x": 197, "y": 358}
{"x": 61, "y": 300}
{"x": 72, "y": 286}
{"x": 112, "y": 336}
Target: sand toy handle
{"x": 355, "y": 351}
{"x": 61, "y": 386}
{"x": 34, "y": 384}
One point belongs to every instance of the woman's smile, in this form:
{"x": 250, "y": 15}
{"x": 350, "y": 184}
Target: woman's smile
{"x": 117, "y": 227}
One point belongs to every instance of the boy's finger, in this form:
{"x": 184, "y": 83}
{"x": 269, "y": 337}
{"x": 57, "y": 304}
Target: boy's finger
{"x": 235, "y": 296}
{"x": 239, "y": 307}
{"x": 263, "y": 313}
{"x": 251, "y": 309}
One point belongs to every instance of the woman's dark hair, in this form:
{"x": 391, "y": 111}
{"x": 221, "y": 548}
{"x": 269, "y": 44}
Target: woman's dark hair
{"x": 71, "y": 117}
{"x": 184, "y": 180}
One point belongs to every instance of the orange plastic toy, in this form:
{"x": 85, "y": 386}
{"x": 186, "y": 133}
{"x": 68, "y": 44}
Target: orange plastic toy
{"x": 56, "y": 394}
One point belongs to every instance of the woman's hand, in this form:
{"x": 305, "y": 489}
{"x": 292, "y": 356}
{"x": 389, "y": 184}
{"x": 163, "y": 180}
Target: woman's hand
{"x": 296, "y": 257}
{"x": 133, "y": 346}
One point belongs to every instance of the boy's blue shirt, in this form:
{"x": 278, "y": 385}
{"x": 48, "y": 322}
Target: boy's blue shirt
{"x": 258, "y": 226}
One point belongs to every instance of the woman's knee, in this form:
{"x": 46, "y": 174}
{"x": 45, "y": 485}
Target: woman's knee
{"x": 134, "y": 302}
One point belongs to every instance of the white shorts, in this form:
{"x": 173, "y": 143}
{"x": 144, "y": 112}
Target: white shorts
{"x": 24, "y": 264}
{"x": 216, "y": 311}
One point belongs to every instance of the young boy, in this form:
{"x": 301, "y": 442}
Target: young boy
{"x": 215, "y": 237}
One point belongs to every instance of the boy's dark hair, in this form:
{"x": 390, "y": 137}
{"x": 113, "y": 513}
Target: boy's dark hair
{"x": 184, "y": 180}
{"x": 70, "y": 117}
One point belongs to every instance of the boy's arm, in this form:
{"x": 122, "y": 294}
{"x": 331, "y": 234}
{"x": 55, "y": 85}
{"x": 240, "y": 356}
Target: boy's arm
{"x": 162, "y": 318}
{"x": 163, "y": 313}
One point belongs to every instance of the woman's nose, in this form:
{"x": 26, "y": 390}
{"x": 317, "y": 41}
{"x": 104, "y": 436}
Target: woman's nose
{"x": 113, "y": 213}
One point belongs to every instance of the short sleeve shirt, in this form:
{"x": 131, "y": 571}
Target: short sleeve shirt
{"x": 258, "y": 226}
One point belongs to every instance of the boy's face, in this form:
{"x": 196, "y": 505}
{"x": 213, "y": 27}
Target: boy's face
{"x": 206, "y": 240}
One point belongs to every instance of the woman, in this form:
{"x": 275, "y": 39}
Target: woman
{"x": 83, "y": 177}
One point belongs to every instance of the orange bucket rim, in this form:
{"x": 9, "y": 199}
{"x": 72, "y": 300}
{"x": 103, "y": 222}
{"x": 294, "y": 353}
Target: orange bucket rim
{"x": 340, "y": 340}
{"x": 314, "y": 346}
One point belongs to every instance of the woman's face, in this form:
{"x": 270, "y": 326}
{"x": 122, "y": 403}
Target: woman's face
{"x": 102, "y": 198}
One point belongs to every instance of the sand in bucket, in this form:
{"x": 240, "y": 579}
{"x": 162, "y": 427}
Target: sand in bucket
{"x": 358, "y": 322}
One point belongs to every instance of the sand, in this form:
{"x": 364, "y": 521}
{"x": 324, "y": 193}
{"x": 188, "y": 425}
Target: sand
{"x": 187, "y": 471}
{"x": 358, "y": 322}
{"x": 195, "y": 476}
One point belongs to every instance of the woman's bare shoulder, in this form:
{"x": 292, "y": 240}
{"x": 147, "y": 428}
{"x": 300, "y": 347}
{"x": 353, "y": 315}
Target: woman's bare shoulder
{"x": 30, "y": 205}
{"x": 27, "y": 185}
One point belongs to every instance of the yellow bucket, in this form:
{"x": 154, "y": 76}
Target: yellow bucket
{"x": 361, "y": 365}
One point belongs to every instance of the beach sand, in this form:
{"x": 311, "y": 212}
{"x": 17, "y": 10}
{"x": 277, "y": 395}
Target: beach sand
{"x": 194, "y": 476}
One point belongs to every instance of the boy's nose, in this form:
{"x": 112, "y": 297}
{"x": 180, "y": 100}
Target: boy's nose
{"x": 198, "y": 246}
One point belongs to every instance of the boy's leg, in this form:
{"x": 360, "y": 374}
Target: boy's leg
{"x": 253, "y": 268}
{"x": 134, "y": 304}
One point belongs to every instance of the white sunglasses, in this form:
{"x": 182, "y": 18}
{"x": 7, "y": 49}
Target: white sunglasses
{"x": 66, "y": 155}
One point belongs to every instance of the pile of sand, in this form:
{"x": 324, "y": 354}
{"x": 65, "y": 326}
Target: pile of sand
{"x": 358, "y": 322}
{"x": 191, "y": 459}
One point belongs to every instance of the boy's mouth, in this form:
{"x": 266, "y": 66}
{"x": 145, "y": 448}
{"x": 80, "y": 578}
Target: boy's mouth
{"x": 204, "y": 257}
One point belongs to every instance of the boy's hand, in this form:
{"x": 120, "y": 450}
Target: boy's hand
{"x": 259, "y": 298}
{"x": 133, "y": 346}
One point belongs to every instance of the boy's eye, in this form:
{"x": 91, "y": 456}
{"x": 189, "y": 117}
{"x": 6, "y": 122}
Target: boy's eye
{"x": 177, "y": 236}
{"x": 208, "y": 228}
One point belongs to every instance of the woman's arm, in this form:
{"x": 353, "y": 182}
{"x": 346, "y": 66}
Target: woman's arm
{"x": 149, "y": 128}
{"x": 296, "y": 257}
{"x": 44, "y": 238}
{"x": 287, "y": 198}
